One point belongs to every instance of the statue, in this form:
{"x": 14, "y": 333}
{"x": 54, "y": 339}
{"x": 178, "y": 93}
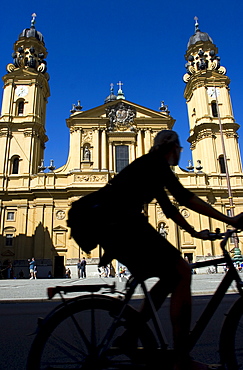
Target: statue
{"x": 86, "y": 153}
{"x": 162, "y": 230}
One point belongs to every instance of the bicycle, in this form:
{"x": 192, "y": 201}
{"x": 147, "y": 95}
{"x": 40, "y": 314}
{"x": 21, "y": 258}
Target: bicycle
{"x": 211, "y": 270}
{"x": 81, "y": 332}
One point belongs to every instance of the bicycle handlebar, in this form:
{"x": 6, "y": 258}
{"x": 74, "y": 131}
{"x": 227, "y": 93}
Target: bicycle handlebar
{"x": 226, "y": 235}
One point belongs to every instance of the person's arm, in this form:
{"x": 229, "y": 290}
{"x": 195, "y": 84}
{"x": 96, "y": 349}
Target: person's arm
{"x": 198, "y": 205}
{"x": 181, "y": 221}
{"x": 190, "y": 200}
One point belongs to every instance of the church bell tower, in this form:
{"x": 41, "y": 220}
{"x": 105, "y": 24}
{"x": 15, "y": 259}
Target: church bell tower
{"x": 211, "y": 119}
{"x": 22, "y": 121}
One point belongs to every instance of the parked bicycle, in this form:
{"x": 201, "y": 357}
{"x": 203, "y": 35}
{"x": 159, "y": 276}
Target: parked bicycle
{"x": 83, "y": 332}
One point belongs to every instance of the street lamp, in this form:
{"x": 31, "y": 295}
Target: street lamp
{"x": 230, "y": 196}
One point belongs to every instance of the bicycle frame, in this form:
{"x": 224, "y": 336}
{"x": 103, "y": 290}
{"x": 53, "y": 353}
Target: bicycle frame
{"x": 230, "y": 276}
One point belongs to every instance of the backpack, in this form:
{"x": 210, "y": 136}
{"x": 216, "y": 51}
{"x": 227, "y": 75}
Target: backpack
{"x": 83, "y": 218}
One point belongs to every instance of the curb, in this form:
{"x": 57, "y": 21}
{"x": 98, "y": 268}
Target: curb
{"x": 58, "y": 299}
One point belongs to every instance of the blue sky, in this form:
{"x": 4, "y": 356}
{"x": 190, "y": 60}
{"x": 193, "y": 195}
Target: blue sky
{"x": 142, "y": 43}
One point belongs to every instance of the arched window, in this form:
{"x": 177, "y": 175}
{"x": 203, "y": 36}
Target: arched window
{"x": 15, "y": 165}
{"x": 214, "y": 109}
{"x": 222, "y": 164}
{"x": 20, "y": 110}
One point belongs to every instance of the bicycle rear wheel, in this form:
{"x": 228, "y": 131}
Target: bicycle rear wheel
{"x": 72, "y": 337}
{"x": 231, "y": 338}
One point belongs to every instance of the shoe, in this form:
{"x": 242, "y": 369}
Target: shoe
{"x": 31, "y": 278}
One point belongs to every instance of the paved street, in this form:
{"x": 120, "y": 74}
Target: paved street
{"x": 19, "y": 319}
{"x": 23, "y": 301}
{"x": 26, "y": 290}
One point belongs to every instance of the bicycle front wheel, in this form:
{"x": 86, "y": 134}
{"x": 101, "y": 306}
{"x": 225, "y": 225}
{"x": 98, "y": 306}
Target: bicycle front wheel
{"x": 75, "y": 337}
{"x": 231, "y": 338}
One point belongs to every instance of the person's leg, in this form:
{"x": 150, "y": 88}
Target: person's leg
{"x": 180, "y": 310}
{"x": 174, "y": 274}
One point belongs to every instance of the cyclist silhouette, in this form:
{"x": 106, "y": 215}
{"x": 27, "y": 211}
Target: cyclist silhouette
{"x": 125, "y": 234}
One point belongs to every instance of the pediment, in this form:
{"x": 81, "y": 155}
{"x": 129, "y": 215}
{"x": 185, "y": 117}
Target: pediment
{"x": 9, "y": 229}
{"x": 60, "y": 228}
{"x": 7, "y": 253}
{"x": 100, "y": 111}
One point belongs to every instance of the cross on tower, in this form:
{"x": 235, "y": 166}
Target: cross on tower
{"x": 33, "y": 19}
{"x": 196, "y": 23}
{"x": 120, "y": 85}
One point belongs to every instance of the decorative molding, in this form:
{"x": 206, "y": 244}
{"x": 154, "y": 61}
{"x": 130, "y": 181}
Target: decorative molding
{"x": 90, "y": 178}
{"x": 87, "y": 137}
{"x": 185, "y": 213}
{"x": 60, "y": 214}
{"x": 75, "y": 129}
{"x": 60, "y": 228}
{"x": 121, "y": 117}
{"x": 8, "y": 253}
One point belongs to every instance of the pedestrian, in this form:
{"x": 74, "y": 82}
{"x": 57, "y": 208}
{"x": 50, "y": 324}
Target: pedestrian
{"x": 10, "y": 270}
{"x": 79, "y": 268}
{"x": 83, "y": 268}
{"x": 31, "y": 267}
{"x": 49, "y": 275}
{"x": 68, "y": 273}
{"x": 102, "y": 272}
{"x": 35, "y": 272}
{"x": 123, "y": 231}
{"x": 21, "y": 274}
{"x": 107, "y": 269}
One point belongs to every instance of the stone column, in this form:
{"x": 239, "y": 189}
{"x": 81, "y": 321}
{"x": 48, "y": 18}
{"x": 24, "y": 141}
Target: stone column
{"x": 111, "y": 161}
{"x": 139, "y": 143}
{"x": 96, "y": 150}
{"x": 147, "y": 141}
{"x": 132, "y": 152}
{"x": 103, "y": 151}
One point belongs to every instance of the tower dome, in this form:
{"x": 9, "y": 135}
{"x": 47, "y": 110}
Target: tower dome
{"x": 29, "y": 51}
{"x": 112, "y": 96}
{"x": 198, "y": 35}
{"x": 32, "y": 32}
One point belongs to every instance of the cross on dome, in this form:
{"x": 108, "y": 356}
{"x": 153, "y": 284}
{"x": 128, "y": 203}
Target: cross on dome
{"x": 120, "y": 94}
{"x": 196, "y": 24}
{"x": 33, "y": 19}
{"x": 120, "y": 85}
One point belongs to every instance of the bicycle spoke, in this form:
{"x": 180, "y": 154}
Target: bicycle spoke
{"x": 60, "y": 344}
{"x": 81, "y": 337}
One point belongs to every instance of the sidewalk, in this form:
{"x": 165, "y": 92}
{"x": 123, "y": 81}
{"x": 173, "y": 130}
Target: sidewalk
{"x": 24, "y": 290}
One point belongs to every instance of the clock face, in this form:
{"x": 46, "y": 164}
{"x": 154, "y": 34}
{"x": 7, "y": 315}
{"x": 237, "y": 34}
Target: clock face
{"x": 211, "y": 91}
{"x": 21, "y": 90}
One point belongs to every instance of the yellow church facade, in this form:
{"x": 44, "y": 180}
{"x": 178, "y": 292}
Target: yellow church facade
{"x": 35, "y": 200}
